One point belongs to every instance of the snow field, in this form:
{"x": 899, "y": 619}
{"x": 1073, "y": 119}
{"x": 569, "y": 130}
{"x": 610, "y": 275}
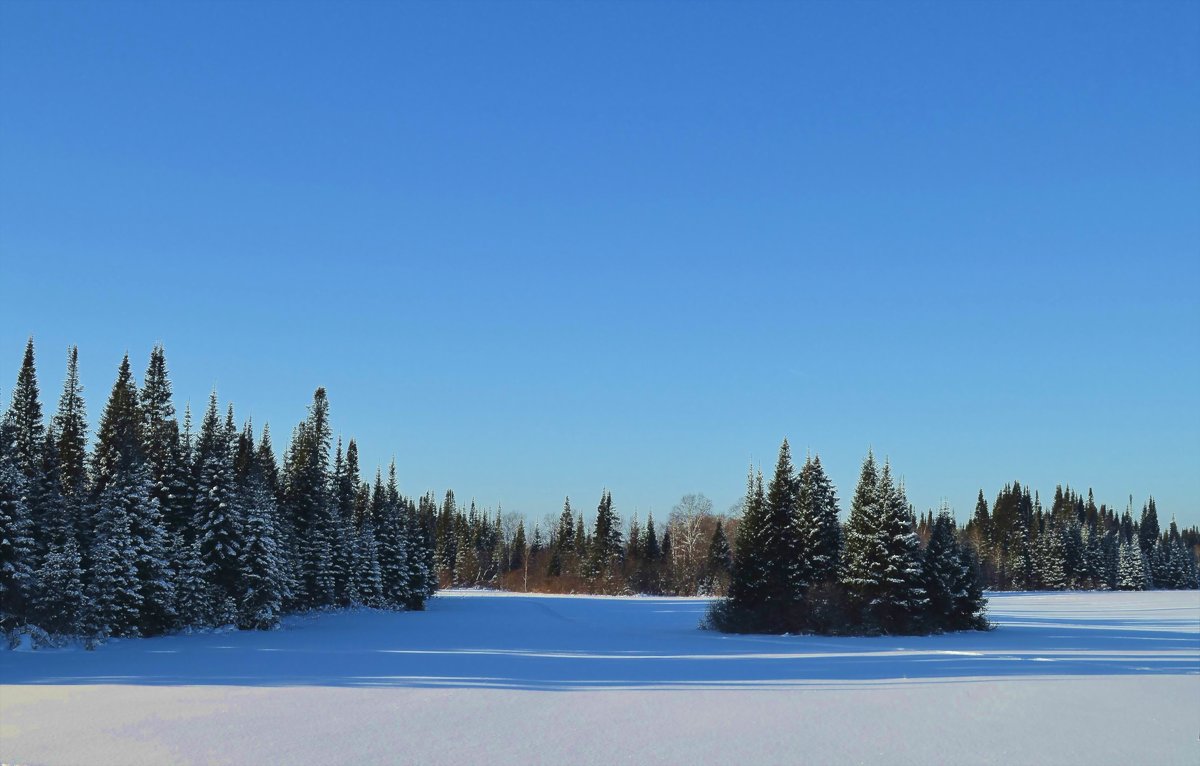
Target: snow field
{"x": 1067, "y": 678}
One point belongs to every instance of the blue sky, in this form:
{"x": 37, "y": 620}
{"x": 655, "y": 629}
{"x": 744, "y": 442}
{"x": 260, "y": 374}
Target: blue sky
{"x": 541, "y": 249}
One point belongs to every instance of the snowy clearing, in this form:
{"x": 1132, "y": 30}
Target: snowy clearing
{"x": 1103, "y": 678}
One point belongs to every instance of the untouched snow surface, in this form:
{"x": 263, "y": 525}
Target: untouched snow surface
{"x": 1071, "y": 678}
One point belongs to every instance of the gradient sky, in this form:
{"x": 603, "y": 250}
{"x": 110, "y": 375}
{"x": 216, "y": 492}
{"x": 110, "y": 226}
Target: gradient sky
{"x": 542, "y": 249}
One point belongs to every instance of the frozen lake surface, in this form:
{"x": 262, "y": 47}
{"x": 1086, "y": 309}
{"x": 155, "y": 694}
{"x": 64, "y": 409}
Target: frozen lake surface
{"x": 1098, "y": 678}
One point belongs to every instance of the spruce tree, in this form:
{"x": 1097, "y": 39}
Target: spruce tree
{"x": 882, "y": 575}
{"x": 169, "y": 473}
{"x": 261, "y": 601}
{"x": 61, "y": 605}
{"x": 309, "y": 504}
{"x": 905, "y": 599}
{"x": 517, "y": 559}
{"x": 126, "y": 506}
{"x": 219, "y": 523}
{"x": 785, "y": 563}
{"x": 69, "y": 431}
{"x": 1132, "y": 568}
{"x": 862, "y": 573}
{"x": 27, "y": 430}
{"x": 605, "y": 555}
{"x": 393, "y": 542}
{"x": 748, "y": 589}
{"x": 818, "y": 527}
{"x": 114, "y": 592}
{"x": 1051, "y": 559}
{"x": 17, "y": 544}
{"x": 719, "y": 561}
{"x": 1148, "y": 527}
{"x": 194, "y": 595}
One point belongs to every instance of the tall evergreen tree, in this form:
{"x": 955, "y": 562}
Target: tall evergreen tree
{"x": 605, "y": 555}
{"x": 25, "y": 419}
{"x": 70, "y": 428}
{"x": 126, "y": 506}
{"x": 1148, "y": 530}
{"x": 261, "y": 599}
{"x": 749, "y": 585}
{"x": 882, "y": 574}
{"x": 818, "y": 528}
{"x": 69, "y": 432}
{"x": 218, "y": 514}
{"x": 309, "y": 503}
{"x": 17, "y": 545}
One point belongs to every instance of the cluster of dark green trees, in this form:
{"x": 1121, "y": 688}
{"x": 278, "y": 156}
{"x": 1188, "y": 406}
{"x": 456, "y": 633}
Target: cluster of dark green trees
{"x": 158, "y": 528}
{"x": 1077, "y": 544}
{"x": 797, "y": 569}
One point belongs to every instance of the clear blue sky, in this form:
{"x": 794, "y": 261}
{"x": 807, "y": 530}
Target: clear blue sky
{"x": 542, "y": 249}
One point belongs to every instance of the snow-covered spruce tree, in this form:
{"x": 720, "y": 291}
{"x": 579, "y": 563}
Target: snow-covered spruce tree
{"x": 122, "y": 494}
{"x": 27, "y": 430}
{"x": 904, "y": 601}
{"x": 1021, "y": 560}
{"x": 785, "y": 562}
{"x": 1148, "y": 530}
{"x": 61, "y": 604}
{"x": 970, "y": 606}
{"x": 161, "y": 443}
{"x": 114, "y": 593}
{"x": 17, "y": 544}
{"x": 70, "y": 438}
{"x": 952, "y": 580}
{"x": 1132, "y": 567}
{"x": 603, "y": 564}
{"x": 194, "y": 596}
{"x": 55, "y": 524}
{"x": 392, "y": 536}
{"x": 342, "y": 548}
{"x": 818, "y": 527}
{"x": 285, "y": 533}
{"x": 942, "y": 572}
{"x": 261, "y": 602}
{"x": 1051, "y": 559}
{"x": 27, "y": 437}
{"x": 368, "y": 574}
{"x": 446, "y": 550}
{"x": 862, "y": 574}
{"x": 746, "y": 608}
{"x": 218, "y": 513}
{"x": 882, "y": 574}
{"x": 309, "y": 504}
{"x": 422, "y": 581}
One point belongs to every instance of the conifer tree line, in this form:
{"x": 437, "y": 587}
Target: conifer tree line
{"x": 161, "y": 527}
{"x": 690, "y": 552}
{"x": 691, "y": 555}
{"x": 1076, "y": 544}
{"x": 796, "y": 568}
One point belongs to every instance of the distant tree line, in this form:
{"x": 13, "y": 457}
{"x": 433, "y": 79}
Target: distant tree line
{"x": 691, "y": 555}
{"x": 1077, "y": 544}
{"x": 158, "y": 528}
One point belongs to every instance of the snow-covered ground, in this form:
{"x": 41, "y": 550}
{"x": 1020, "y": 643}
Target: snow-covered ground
{"x": 1075, "y": 678}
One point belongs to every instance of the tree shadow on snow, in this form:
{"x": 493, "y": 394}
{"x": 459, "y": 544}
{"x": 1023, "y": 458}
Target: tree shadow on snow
{"x": 565, "y": 644}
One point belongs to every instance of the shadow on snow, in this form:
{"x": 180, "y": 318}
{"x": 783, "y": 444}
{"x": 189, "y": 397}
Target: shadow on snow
{"x": 564, "y": 643}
